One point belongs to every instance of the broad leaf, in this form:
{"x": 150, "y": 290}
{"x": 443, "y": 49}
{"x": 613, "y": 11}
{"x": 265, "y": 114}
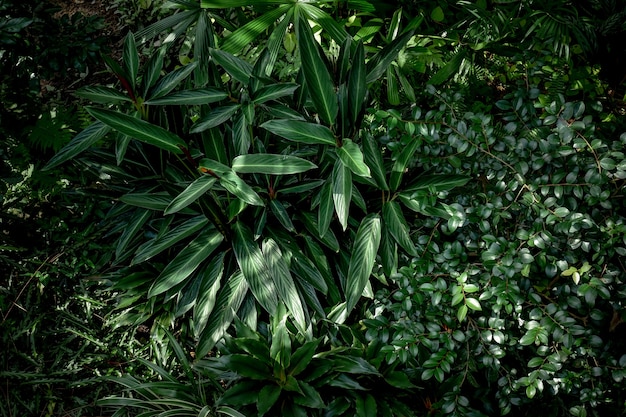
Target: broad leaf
{"x": 186, "y": 261}
{"x": 352, "y": 157}
{"x": 272, "y": 164}
{"x": 318, "y": 80}
{"x": 190, "y": 194}
{"x": 254, "y": 267}
{"x": 362, "y": 258}
{"x": 303, "y": 132}
{"x": 139, "y": 129}
{"x": 81, "y": 142}
{"x": 189, "y": 97}
{"x": 342, "y": 192}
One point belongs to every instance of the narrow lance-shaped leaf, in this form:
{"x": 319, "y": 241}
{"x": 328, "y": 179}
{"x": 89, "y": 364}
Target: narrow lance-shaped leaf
{"x": 237, "y": 68}
{"x": 235, "y": 185}
{"x": 439, "y": 182}
{"x": 449, "y": 69}
{"x": 383, "y": 59}
{"x": 190, "y": 97}
{"x": 249, "y": 32}
{"x": 227, "y": 4}
{"x": 214, "y": 118}
{"x": 169, "y": 239}
{"x": 397, "y": 226}
{"x": 102, "y": 95}
{"x": 186, "y": 261}
{"x": 170, "y": 81}
{"x": 190, "y": 194}
{"x": 329, "y": 24}
{"x": 362, "y": 258}
{"x": 207, "y": 295}
{"x": 280, "y": 348}
{"x": 273, "y": 92}
{"x": 326, "y": 208}
{"x": 304, "y": 132}
{"x": 278, "y": 209}
{"x": 374, "y": 160}
{"x": 228, "y": 301}
{"x": 134, "y": 225}
{"x": 397, "y": 171}
{"x": 272, "y": 164}
{"x": 139, "y": 129}
{"x": 81, "y": 142}
{"x": 254, "y": 268}
{"x": 319, "y": 83}
{"x": 130, "y": 58}
{"x": 151, "y": 201}
{"x": 285, "y": 285}
{"x": 352, "y": 157}
{"x": 357, "y": 87}
{"x": 342, "y": 192}
{"x": 275, "y": 42}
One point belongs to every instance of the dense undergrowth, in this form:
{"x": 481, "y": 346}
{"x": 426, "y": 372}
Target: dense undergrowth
{"x": 279, "y": 208}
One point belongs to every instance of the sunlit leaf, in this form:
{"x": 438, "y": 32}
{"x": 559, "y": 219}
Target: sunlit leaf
{"x": 362, "y": 258}
{"x": 303, "y": 132}
{"x": 342, "y": 192}
{"x": 274, "y": 164}
{"x": 352, "y": 157}
{"x": 190, "y": 194}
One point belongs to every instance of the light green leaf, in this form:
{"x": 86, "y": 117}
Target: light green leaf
{"x": 461, "y": 313}
{"x": 303, "y": 132}
{"x": 285, "y": 285}
{"x": 190, "y": 194}
{"x": 81, "y": 142}
{"x": 169, "y": 239}
{"x": 396, "y": 224}
{"x": 273, "y": 164}
{"x": 237, "y": 68}
{"x": 342, "y": 192}
{"x": 231, "y": 182}
{"x": 207, "y": 294}
{"x": 186, "y": 261}
{"x": 319, "y": 83}
{"x": 102, "y": 95}
{"x": 437, "y": 14}
{"x": 139, "y": 129}
{"x": 228, "y": 301}
{"x": 328, "y": 23}
{"x": 352, "y": 157}
{"x": 209, "y": 165}
{"x": 170, "y": 81}
{"x": 214, "y": 118}
{"x": 189, "y": 97}
{"x": 362, "y": 258}
{"x": 249, "y": 32}
{"x": 254, "y": 267}
{"x": 473, "y": 303}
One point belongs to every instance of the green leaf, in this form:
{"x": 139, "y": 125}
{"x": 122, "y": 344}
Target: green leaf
{"x": 151, "y": 201}
{"x": 351, "y": 156}
{"x": 249, "y": 32}
{"x": 242, "y": 393}
{"x": 326, "y": 208}
{"x": 130, "y": 59}
{"x": 329, "y": 239}
{"x": 374, "y": 160}
{"x": 130, "y": 231}
{"x": 254, "y": 267}
{"x": 302, "y": 357}
{"x": 319, "y": 83}
{"x": 228, "y": 301}
{"x": 310, "y": 397}
{"x": 366, "y": 406}
{"x": 281, "y": 214}
{"x": 190, "y": 194}
{"x": 298, "y": 131}
{"x": 437, "y": 14}
{"x": 246, "y": 366}
{"x": 205, "y": 165}
{"x": 461, "y": 312}
{"x": 215, "y": 118}
{"x": 378, "y": 64}
{"x": 438, "y": 182}
{"x": 397, "y": 171}
{"x": 280, "y": 348}
{"x": 357, "y": 88}
{"x": 228, "y": 4}
{"x": 273, "y": 92}
{"x": 396, "y": 224}
{"x": 169, "y": 239}
{"x": 186, "y": 261}
{"x": 152, "y": 69}
{"x": 205, "y": 303}
{"x": 285, "y": 285}
{"x": 237, "y": 68}
{"x": 263, "y": 163}
{"x": 328, "y": 23}
{"x": 102, "y": 95}
{"x": 449, "y": 69}
{"x": 342, "y": 193}
{"x": 170, "y": 81}
{"x": 267, "y": 398}
{"x": 139, "y": 129}
{"x": 189, "y": 97}
{"x": 231, "y": 182}
{"x": 81, "y": 142}
{"x": 362, "y": 258}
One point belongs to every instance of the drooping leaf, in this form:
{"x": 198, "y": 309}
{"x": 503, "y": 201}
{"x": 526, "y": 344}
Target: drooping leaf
{"x": 285, "y": 285}
{"x": 237, "y": 68}
{"x": 189, "y": 97}
{"x": 273, "y": 92}
{"x": 249, "y": 32}
{"x": 139, "y": 129}
{"x": 357, "y": 88}
{"x": 102, "y": 95}
{"x": 254, "y": 267}
{"x": 329, "y": 24}
{"x": 303, "y": 132}
{"x": 319, "y": 83}
{"x": 167, "y": 240}
{"x": 190, "y": 194}
{"x": 186, "y": 261}
{"x": 273, "y": 164}
{"x": 352, "y": 157}
{"x": 207, "y": 294}
{"x": 231, "y": 182}
{"x": 396, "y": 224}
{"x": 397, "y": 171}
{"x": 362, "y": 258}
{"x": 170, "y": 81}
{"x": 81, "y": 142}
{"x": 342, "y": 192}
{"x": 215, "y": 118}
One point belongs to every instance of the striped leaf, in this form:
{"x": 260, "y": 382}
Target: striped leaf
{"x": 151, "y": 201}
{"x": 342, "y": 192}
{"x": 102, "y": 95}
{"x": 254, "y": 267}
{"x": 248, "y": 33}
{"x": 374, "y": 160}
{"x": 303, "y": 132}
{"x": 186, "y": 261}
{"x": 205, "y": 303}
{"x": 189, "y": 97}
{"x": 139, "y": 129}
{"x": 235, "y": 185}
{"x": 170, "y": 81}
{"x": 325, "y": 213}
{"x": 352, "y": 157}
{"x": 215, "y": 118}
{"x": 273, "y": 164}
{"x": 397, "y": 171}
{"x": 130, "y": 58}
{"x": 80, "y": 143}
{"x": 190, "y": 194}
{"x": 273, "y": 92}
{"x": 396, "y": 224}
{"x": 130, "y": 231}
{"x": 383, "y": 59}
{"x": 237, "y": 68}
{"x": 357, "y": 89}
{"x": 362, "y": 258}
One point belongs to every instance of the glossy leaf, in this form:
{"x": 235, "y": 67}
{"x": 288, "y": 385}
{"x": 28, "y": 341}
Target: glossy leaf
{"x": 352, "y": 157}
{"x": 187, "y": 261}
{"x": 374, "y": 160}
{"x": 254, "y": 267}
{"x": 302, "y": 357}
{"x": 362, "y": 258}
{"x": 231, "y": 182}
{"x": 437, "y": 183}
{"x": 189, "y": 97}
{"x": 273, "y": 92}
{"x": 139, "y": 129}
{"x": 357, "y": 87}
{"x": 278, "y": 209}
{"x": 342, "y": 193}
{"x": 80, "y": 143}
{"x": 273, "y": 164}
{"x": 383, "y": 59}
{"x": 303, "y": 132}
{"x": 448, "y": 70}
{"x": 397, "y": 171}
{"x": 249, "y": 32}
{"x": 215, "y": 118}
{"x": 267, "y": 398}
{"x": 190, "y": 194}
{"x": 319, "y": 83}
{"x": 102, "y": 95}
{"x": 326, "y": 208}
{"x": 134, "y": 225}
{"x": 151, "y": 201}
{"x": 130, "y": 58}
{"x": 170, "y": 81}
{"x": 396, "y": 224}
{"x": 237, "y": 68}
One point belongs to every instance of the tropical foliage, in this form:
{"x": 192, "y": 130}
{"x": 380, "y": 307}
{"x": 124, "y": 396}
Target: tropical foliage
{"x": 350, "y": 209}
